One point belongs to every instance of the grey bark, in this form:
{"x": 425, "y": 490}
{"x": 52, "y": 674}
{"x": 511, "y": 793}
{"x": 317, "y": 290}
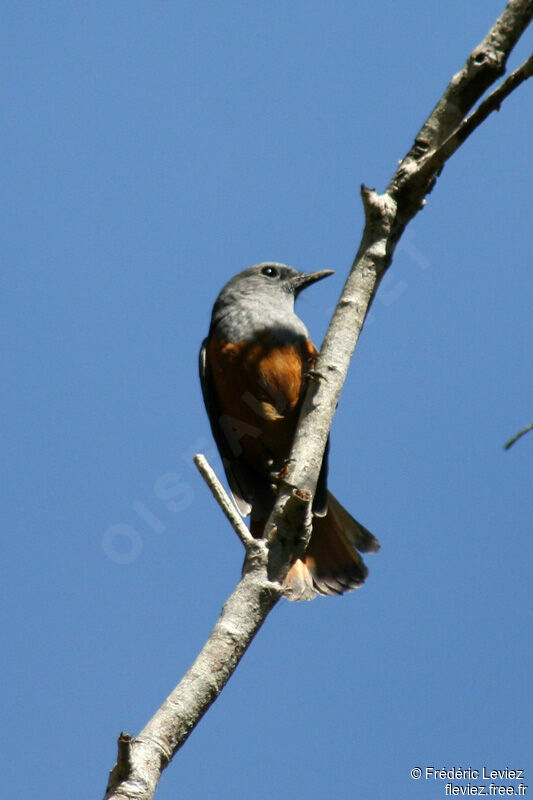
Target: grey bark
{"x": 141, "y": 759}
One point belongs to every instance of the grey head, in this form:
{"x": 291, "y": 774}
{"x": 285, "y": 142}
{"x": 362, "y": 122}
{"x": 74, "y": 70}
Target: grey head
{"x": 261, "y": 298}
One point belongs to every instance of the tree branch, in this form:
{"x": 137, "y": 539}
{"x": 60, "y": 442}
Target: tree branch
{"x": 137, "y": 772}
{"x": 386, "y": 217}
{"x": 518, "y": 436}
{"x": 432, "y": 163}
{"x": 142, "y": 759}
{"x": 224, "y": 501}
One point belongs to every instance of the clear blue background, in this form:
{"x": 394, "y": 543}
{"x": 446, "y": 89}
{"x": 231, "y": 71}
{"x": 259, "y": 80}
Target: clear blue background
{"x": 150, "y": 151}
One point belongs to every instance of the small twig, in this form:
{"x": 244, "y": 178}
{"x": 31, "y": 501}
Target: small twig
{"x": 224, "y": 501}
{"x": 518, "y": 436}
{"x": 122, "y": 768}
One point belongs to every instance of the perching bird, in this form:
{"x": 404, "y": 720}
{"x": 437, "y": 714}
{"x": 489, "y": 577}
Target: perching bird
{"x": 253, "y": 367}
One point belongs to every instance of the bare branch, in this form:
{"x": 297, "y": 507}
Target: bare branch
{"x": 387, "y": 215}
{"x": 224, "y": 501}
{"x": 149, "y": 753}
{"x": 122, "y": 768}
{"x": 490, "y": 104}
{"x": 432, "y": 163}
{"x": 518, "y": 436}
{"x": 485, "y": 64}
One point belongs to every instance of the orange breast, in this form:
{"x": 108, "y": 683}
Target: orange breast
{"x": 261, "y": 387}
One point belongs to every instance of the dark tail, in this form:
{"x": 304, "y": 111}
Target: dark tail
{"x": 331, "y": 564}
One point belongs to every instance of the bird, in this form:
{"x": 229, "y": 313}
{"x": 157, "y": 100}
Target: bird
{"x": 254, "y": 370}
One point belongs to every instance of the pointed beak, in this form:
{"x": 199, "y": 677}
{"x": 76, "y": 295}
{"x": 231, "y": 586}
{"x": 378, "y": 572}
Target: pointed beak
{"x": 305, "y": 279}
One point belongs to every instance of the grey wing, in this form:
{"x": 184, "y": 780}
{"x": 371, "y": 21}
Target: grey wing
{"x": 234, "y": 470}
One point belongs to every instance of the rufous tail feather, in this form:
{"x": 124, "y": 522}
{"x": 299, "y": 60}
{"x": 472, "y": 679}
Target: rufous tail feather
{"x": 331, "y": 564}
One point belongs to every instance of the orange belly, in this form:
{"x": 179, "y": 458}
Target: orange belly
{"x": 260, "y": 387}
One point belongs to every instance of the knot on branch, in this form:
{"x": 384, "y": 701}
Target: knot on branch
{"x": 289, "y": 532}
{"x": 486, "y": 58}
{"x": 420, "y": 147}
{"x": 485, "y": 64}
{"x": 291, "y": 518}
{"x": 256, "y": 555}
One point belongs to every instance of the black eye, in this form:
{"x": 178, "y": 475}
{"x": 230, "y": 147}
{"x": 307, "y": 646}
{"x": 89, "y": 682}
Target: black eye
{"x": 270, "y": 272}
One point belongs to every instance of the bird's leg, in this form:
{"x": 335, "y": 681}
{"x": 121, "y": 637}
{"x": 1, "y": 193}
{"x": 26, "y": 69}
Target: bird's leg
{"x": 277, "y": 476}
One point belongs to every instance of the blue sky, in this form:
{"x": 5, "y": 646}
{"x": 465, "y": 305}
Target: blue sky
{"x": 150, "y": 151}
